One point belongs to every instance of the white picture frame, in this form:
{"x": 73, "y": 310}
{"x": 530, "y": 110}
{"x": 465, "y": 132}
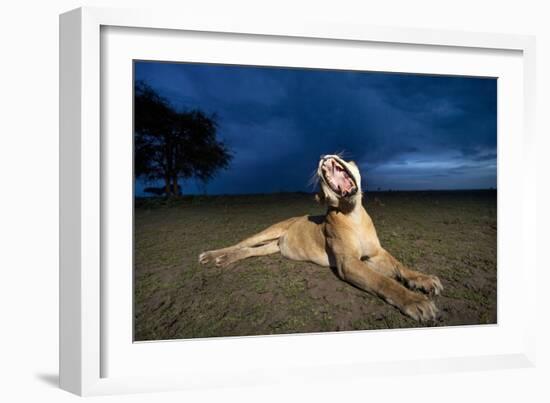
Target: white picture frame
{"x": 85, "y": 342}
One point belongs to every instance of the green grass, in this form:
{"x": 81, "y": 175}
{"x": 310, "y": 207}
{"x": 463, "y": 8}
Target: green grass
{"x": 450, "y": 234}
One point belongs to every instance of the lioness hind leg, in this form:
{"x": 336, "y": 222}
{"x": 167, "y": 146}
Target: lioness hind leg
{"x": 212, "y": 255}
{"x": 272, "y": 233}
{"x": 384, "y": 263}
{"x": 246, "y": 252}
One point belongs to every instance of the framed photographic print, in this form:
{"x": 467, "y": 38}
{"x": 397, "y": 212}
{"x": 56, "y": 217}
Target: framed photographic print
{"x": 238, "y": 196}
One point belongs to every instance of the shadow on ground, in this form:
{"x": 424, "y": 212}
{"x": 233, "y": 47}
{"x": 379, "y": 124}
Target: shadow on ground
{"x": 49, "y": 379}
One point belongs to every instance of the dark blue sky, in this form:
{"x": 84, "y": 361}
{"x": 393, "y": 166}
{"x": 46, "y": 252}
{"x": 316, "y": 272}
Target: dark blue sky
{"x": 406, "y": 132}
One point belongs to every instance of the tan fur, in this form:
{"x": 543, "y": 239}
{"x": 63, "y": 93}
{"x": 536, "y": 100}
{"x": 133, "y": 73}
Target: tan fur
{"x": 344, "y": 238}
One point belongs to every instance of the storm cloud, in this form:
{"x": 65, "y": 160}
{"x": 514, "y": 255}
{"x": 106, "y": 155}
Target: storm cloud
{"x": 406, "y": 132}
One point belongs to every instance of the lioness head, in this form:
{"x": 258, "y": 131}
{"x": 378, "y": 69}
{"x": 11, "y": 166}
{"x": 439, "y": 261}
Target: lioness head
{"x": 340, "y": 182}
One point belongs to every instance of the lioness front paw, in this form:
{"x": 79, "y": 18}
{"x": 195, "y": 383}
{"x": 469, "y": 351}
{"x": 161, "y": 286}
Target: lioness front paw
{"x": 420, "y": 308}
{"x": 426, "y": 283}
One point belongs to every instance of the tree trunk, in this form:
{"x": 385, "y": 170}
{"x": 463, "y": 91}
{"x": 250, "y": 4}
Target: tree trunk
{"x": 167, "y": 190}
{"x": 175, "y": 185}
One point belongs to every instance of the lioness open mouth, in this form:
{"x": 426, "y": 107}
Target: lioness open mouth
{"x": 338, "y": 177}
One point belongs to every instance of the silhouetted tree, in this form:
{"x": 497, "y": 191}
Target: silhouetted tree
{"x": 170, "y": 145}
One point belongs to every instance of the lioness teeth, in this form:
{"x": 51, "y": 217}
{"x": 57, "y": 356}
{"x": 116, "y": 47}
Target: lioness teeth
{"x": 337, "y": 177}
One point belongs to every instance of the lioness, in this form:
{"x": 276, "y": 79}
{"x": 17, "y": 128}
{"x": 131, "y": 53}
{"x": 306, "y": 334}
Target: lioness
{"x": 344, "y": 238}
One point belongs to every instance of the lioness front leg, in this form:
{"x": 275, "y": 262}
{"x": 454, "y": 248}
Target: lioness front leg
{"x": 383, "y": 262}
{"x": 413, "y": 304}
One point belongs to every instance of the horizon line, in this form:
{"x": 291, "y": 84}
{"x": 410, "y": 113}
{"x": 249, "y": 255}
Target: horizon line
{"x": 313, "y": 193}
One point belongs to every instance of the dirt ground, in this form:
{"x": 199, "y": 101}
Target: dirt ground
{"x": 450, "y": 234}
